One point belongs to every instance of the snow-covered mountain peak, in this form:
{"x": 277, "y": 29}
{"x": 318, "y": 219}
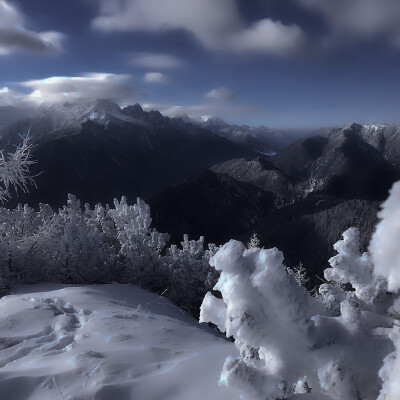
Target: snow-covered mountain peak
{"x": 374, "y": 127}
{"x": 79, "y": 111}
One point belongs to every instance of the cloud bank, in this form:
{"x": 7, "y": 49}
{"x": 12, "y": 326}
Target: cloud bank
{"x": 15, "y": 37}
{"x": 60, "y": 88}
{"x": 217, "y": 25}
{"x": 200, "y": 111}
{"x": 355, "y": 20}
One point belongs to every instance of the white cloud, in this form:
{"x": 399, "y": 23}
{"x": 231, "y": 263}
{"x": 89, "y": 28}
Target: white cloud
{"x": 359, "y": 19}
{"x": 221, "y": 93}
{"x": 267, "y": 36}
{"x": 155, "y": 77}
{"x": 60, "y": 88}
{"x": 193, "y": 111}
{"x": 14, "y": 36}
{"x": 199, "y": 111}
{"x": 155, "y": 61}
{"x": 10, "y": 97}
{"x": 217, "y": 25}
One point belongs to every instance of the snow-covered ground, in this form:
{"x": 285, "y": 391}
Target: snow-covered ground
{"x": 105, "y": 342}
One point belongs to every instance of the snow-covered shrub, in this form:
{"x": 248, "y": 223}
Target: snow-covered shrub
{"x": 103, "y": 244}
{"x": 290, "y": 342}
{"x": 140, "y": 246}
{"x": 19, "y": 237}
{"x": 189, "y": 271}
{"x": 14, "y": 173}
{"x": 76, "y": 247}
{"x": 349, "y": 266}
{"x": 300, "y": 274}
{"x": 254, "y": 241}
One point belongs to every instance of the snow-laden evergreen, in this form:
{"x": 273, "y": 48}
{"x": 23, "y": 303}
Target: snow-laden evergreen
{"x": 102, "y": 245}
{"x": 343, "y": 343}
{"x": 386, "y": 256}
{"x": 385, "y": 245}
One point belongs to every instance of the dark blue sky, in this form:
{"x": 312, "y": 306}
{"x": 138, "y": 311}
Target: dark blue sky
{"x": 281, "y": 63}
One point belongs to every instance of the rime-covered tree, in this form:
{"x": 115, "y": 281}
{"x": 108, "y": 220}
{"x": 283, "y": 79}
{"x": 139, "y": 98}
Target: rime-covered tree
{"x": 14, "y": 176}
{"x": 190, "y": 274}
{"x": 289, "y": 342}
{"x": 386, "y": 258}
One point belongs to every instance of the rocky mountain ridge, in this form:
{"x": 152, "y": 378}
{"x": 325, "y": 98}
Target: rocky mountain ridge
{"x": 197, "y": 182}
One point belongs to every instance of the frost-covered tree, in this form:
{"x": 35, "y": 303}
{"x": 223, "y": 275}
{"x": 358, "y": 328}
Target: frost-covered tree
{"x": 140, "y": 246}
{"x": 386, "y": 258}
{"x": 84, "y": 245}
{"x": 14, "y": 170}
{"x": 289, "y": 342}
{"x": 254, "y": 241}
{"x": 189, "y": 271}
{"x": 14, "y": 174}
{"x": 76, "y": 247}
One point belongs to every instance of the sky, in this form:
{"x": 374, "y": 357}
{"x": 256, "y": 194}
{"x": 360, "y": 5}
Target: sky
{"x": 278, "y": 63}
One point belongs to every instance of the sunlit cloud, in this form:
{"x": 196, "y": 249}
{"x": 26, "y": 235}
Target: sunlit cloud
{"x": 60, "y": 88}
{"x": 91, "y": 86}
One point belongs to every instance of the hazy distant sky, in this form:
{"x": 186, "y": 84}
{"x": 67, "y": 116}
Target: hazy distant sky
{"x": 281, "y": 63}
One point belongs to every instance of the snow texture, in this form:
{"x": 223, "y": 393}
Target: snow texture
{"x": 105, "y": 342}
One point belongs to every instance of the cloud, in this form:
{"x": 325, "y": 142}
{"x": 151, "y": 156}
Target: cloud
{"x": 13, "y": 98}
{"x": 221, "y": 93}
{"x": 267, "y": 36}
{"x": 14, "y": 36}
{"x": 155, "y": 77}
{"x": 199, "y": 111}
{"x": 155, "y": 61}
{"x": 359, "y": 19}
{"x": 217, "y": 25}
{"x": 60, "y": 88}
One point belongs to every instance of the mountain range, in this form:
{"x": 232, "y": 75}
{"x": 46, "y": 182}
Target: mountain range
{"x": 297, "y": 190}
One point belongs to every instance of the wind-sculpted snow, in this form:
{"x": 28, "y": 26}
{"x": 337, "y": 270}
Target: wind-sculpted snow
{"x": 386, "y": 256}
{"x": 292, "y": 343}
{"x": 385, "y": 245}
{"x": 105, "y": 342}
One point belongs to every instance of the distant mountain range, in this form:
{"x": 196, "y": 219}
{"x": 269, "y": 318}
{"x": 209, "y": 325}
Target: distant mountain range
{"x": 98, "y": 151}
{"x": 211, "y": 178}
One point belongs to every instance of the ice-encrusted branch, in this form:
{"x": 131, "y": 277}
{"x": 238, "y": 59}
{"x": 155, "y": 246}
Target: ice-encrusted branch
{"x": 15, "y": 169}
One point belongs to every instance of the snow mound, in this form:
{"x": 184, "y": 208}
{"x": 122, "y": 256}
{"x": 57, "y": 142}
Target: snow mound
{"x": 105, "y": 342}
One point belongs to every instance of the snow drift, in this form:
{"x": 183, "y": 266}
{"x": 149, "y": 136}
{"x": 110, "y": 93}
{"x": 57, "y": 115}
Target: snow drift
{"x": 105, "y": 342}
